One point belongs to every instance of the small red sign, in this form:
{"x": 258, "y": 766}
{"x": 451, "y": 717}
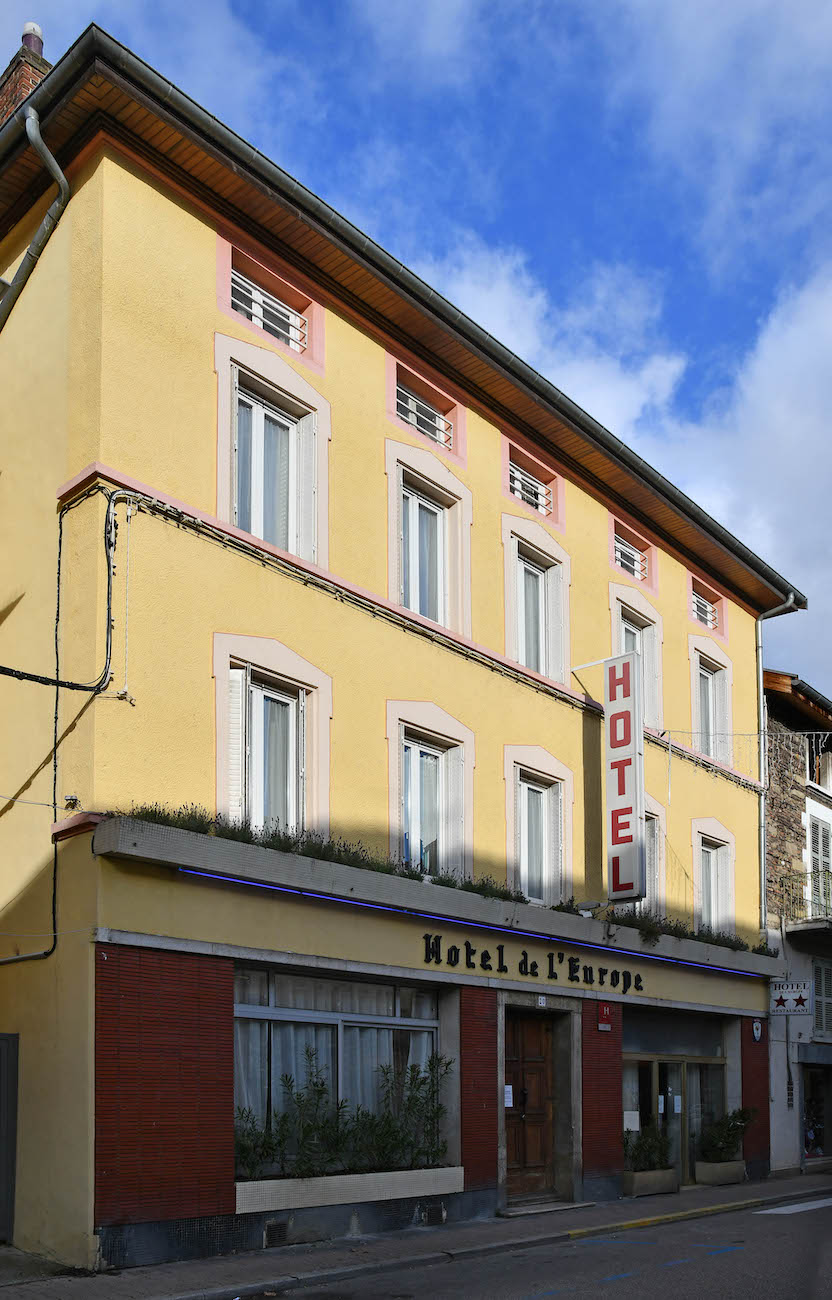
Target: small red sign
{"x": 604, "y": 1017}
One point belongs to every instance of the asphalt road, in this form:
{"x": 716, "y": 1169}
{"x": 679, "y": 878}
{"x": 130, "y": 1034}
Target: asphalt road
{"x": 781, "y": 1255}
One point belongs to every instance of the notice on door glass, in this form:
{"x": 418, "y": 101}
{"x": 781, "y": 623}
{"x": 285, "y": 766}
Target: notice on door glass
{"x": 661, "y": 1104}
{"x": 509, "y": 1094}
{"x": 677, "y": 1105}
{"x": 632, "y": 1121}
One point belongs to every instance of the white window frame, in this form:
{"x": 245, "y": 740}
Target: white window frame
{"x": 526, "y": 563}
{"x": 260, "y": 407}
{"x": 424, "y": 416}
{"x": 422, "y": 471}
{"x": 539, "y": 768}
{"x": 526, "y": 542}
{"x": 262, "y": 373}
{"x": 706, "y": 657}
{"x": 257, "y": 691}
{"x": 410, "y": 493}
{"x": 711, "y": 835}
{"x": 631, "y": 606}
{"x": 411, "y": 794}
{"x": 294, "y": 334}
{"x": 552, "y": 864}
{"x": 431, "y": 726}
{"x": 822, "y": 976}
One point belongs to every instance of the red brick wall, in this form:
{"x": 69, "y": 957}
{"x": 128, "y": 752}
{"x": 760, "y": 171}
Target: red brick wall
{"x": 164, "y": 1085}
{"x": 478, "y": 1085}
{"x": 755, "y": 1092}
{"x": 21, "y": 79}
{"x": 603, "y": 1119}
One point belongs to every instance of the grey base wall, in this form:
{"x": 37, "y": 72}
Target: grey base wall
{"x": 132, "y": 1245}
{"x": 606, "y": 1188}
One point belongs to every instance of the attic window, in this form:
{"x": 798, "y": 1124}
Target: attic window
{"x": 705, "y": 606}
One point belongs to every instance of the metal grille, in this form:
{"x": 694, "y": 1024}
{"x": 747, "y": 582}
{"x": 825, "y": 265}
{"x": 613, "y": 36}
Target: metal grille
{"x": 630, "y": 558}
{"x": 530, "y": 489}
{"x": 807, "y": 896}
{"x": 704, "y": 611}
{"x": 268, "y": 312}
{"x": 416, "y": 411}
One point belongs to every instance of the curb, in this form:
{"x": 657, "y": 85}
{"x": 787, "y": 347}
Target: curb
{"x": 293, "y": 1281}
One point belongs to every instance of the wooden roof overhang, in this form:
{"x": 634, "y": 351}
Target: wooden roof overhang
{"x": 800, "y": 696}
{"x": 99, "y": 84}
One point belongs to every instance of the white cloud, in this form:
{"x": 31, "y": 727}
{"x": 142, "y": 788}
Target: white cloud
{"x": 428, "y": 44}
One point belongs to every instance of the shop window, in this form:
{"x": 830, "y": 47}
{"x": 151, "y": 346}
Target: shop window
{"x": 815, "y": 1112}
{"x": 351, "y": 1030}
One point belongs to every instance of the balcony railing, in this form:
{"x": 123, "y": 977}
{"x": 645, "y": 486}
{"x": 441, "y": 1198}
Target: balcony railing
{"x": 807, "y": 896}
{"x": 630, "y": 559}
{"x": 423, "y": 416}
{"x": 704, "y": 611}
{"x": 268, "y": 312}
{"x": 530, "y": 489}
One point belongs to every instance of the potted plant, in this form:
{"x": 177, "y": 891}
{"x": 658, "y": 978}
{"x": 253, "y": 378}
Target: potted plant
{"x": 647, "y": 1167}
{"x": 718, "y": 1147}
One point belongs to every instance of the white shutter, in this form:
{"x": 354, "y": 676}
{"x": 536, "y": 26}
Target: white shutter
{"x": 553, "y": 889}
{"x": 650, "y": 673}
{"x": 454, "y": 856}
{"x": 722, "y": 717}
{"x": 307, "y": 435}
{"x": 823, "y": 997}
{"x": 516, "y": 881}
{"x": 235, "y": 391}
{"x": 820, "y": 849}
{"x": 554, "y": 620}
{"x": 301, "y": 760}
{"x": 237, "y": 742}
{"x": 651, "y": 836}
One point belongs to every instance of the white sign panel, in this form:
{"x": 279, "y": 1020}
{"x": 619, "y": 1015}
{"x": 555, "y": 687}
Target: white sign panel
{"x": 624, "y": 777}
{"x": 791, "y": 998}
{"x": 509, "y": 1094}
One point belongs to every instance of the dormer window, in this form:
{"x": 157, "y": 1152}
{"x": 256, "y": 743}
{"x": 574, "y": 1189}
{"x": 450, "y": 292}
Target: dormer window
{"x": 268, "y": 312}
{"x": 705, "y": 606}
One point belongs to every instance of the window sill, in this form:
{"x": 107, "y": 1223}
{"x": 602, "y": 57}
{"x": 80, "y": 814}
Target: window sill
{"x": 346, "y": 1189}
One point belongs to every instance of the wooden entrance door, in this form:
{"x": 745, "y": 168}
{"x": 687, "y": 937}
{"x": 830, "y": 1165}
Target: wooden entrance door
{"x": 529, "y": 1153}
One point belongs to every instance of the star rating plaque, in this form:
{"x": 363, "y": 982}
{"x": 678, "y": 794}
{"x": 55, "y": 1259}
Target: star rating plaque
{"x": 791, "y": 998}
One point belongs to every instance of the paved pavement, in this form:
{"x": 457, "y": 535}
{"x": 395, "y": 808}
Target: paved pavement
{"x": 479, "y": 1245}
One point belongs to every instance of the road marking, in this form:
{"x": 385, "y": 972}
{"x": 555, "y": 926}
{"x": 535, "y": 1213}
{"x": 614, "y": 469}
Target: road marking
{"x": 800, "y": 1208}
{"x": 723, "y": 1250}
{"x": 614, "y": 1277}
{"x": 671, "y": 1262}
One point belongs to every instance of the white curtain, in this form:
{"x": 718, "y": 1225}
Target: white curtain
{"x": 244, "y": 465}
{"x": 251, "y": 1046}
{"x": 276, "y": 774}
{"x": 289, "y": 1047}
{"x": 276, "y": 437}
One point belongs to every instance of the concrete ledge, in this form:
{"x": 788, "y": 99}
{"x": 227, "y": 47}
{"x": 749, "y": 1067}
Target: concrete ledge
{"x": 138, "y": 841}
{"x": 345, "y": 1189}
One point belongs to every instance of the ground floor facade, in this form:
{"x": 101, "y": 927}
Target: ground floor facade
{"x": 801, "y": 1058}
{"x": 223, "y": 979}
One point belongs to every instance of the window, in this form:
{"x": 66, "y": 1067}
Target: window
{"x": 652, "y": 857}
{"x": 706, "y": 606}
{"x": 823, "y": 998}
{"x": 707, "y": 709}
{"x": 529, "y": 489}
{"x": 353, "y": 1028}
{"x": 537, "y": 598}
{"x": 820, "y": 867}
{"x": 431, "y": 804}
{"x": 274, "y": 469}
{"x": 270, "y": 313}
{"x": 630, "y": 558}
{"x": 710, "y": 911}
{"x": 638, "y": 628}
{"x": 539, "y": 831}
{"x": 532, "y": 614}
{"x": 424, "y": 416}
{"x": 267, "y": 744}
{"x": 819, "y": 759}
{"x": 423, "y": 554}
{"x": 712, "y": 732}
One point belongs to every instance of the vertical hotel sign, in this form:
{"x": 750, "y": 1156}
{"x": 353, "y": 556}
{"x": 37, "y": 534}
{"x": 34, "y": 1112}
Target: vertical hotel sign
{"x": 624, "y": 777}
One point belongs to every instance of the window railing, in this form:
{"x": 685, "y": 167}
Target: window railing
{"x": 424, "y": 417}
{"x": 807, "y": 895}
{"x": 524, "y": 485}
{"x": 272, "y": 315}
{"x": 704, "y": 611}
{"x": 630, "y": 559}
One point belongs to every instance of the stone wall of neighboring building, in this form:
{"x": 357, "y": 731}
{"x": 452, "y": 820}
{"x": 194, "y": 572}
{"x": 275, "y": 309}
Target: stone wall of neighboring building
{"x": 785, "y": 808}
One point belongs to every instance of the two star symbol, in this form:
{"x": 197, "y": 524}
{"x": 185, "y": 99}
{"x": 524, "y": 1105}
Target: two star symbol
{"x": 798, "y": 1001}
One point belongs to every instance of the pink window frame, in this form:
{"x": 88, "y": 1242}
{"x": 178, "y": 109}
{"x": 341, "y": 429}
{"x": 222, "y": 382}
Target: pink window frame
{"x": 547, "y": 474}
{"x": 454, "y": 408}
{"x": 313, "y": 355}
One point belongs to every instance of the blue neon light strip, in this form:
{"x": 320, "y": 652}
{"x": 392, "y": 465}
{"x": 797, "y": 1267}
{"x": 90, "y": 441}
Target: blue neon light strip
{"x": 476, "y": 925}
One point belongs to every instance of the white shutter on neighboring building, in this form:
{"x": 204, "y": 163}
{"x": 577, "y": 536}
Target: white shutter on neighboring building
{"x": 823, "y": 997}
{"x": 820, "y": 848}
{"x": 237, "y": 741}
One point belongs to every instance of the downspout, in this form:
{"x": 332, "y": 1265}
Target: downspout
{"x": 50, "y": 220}
{"x": 763, "y": 750}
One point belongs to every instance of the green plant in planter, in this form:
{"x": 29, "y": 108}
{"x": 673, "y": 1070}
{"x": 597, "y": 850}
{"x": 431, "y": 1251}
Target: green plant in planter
{"x": 648, "y": 1149}
{"x": 720, "y": 1142}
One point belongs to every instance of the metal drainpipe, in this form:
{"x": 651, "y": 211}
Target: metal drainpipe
{"x": 50, "y": 220}
{"x": 763, "y": 748}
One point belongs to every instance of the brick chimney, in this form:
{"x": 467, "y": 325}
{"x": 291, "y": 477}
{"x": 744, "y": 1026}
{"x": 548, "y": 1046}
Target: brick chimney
{"x": 26, "y": 69}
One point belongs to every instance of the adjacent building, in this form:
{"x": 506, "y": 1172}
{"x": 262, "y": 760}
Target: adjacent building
{"x": 330, "y": 558}
{"x": 799, "y": 886}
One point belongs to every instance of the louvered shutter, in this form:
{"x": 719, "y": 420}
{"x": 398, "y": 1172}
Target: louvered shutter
{"x": 301, "y": 760}
{"x": 237, "y": 742}
{"x": 307, "y": 434}
{"x": 651, "y": 855}
{"x": 650, "y": 673}
{"x": 453, "y": 760}
{"x": 519, "y": 814}
{"x": 554, "y": 619}
{"x": 823, "y": 997}
{"x": 722, "y": 717}
{"x": 554, "y": 892}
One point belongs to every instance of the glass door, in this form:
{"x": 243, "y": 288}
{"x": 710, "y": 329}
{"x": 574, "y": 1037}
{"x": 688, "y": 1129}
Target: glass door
{"x": 670, "y": 1109}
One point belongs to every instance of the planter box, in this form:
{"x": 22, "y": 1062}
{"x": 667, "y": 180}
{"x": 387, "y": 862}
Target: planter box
{"x": 649, "y": 1182}
{"x": 717, "y": 1174}
{"x": 346, "y": 1189}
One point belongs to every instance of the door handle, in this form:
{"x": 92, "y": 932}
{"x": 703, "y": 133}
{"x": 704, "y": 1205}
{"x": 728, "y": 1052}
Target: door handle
{"x": 523, "y": 1097}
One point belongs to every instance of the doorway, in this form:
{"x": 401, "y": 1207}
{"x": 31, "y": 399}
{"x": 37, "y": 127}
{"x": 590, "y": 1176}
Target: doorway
{"x": 679, "y": 1096}
{"x": 529, "y": 1106}
{"x": 8, "y": 1132}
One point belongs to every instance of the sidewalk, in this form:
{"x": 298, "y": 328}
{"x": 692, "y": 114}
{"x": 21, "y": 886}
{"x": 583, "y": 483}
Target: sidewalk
{"x": 284, "y": 1268}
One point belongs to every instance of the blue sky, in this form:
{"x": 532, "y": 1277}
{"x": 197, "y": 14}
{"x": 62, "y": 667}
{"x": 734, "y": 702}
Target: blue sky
{"x": 635, "y": 195}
